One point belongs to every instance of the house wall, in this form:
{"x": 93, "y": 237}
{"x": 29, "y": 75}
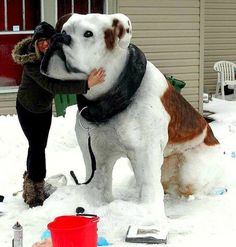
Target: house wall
{"x": 170, "y": 34}
{"x": 49, "y": 11}
{"x": 7, "y": 103}
{"x": 220, "y": 37}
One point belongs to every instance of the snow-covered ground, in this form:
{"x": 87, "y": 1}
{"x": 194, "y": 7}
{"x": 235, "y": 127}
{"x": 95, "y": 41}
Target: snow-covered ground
{"x": 208, "y": 221}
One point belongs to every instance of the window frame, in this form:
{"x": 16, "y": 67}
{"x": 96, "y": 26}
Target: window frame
{"x": 43, "y": 3}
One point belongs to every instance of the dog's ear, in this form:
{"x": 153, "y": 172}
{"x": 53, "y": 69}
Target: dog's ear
{"x": 61, "y": 22}
{"x": 121, "y": 32}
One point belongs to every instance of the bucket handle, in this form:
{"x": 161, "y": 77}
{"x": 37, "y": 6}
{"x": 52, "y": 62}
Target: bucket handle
{"x": 96, "y": 218}
{"x": 80, "y": 212}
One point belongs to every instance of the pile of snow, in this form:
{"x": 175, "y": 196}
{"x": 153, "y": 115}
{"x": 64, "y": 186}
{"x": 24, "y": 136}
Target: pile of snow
{"x": 208, "y": 220}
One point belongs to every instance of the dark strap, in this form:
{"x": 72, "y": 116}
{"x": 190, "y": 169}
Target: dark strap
{"x": 93, "y": 165}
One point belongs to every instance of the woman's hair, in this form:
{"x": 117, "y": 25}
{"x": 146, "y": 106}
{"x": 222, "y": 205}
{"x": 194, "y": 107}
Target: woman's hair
{"x": 37, "y": 52}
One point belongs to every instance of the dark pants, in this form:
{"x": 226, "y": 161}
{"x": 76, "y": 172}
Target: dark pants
{"x": 36, "y": 127}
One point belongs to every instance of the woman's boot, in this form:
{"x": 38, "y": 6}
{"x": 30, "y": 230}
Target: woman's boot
{"x": 33, "y": 192}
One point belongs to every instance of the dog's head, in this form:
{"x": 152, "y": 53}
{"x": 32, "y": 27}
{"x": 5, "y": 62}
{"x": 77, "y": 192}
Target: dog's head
{"x": 87, "y": 42}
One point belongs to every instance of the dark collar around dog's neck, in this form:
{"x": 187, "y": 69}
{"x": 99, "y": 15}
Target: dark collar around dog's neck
{"x": 120, "y": 96}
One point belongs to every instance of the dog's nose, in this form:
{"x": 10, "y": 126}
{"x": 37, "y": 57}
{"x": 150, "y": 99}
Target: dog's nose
{"x": 67, "y": 39}
{"x": 61, "y": 38}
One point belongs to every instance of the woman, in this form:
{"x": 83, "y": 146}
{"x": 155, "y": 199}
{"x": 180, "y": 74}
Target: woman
{"x": 34, "y": 106}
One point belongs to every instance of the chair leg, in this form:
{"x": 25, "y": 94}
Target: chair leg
{"x": 217, "y": 89}
{"x": 222, "y": 91}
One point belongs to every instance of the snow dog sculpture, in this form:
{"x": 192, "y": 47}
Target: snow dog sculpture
{"x": 135, "y": 113}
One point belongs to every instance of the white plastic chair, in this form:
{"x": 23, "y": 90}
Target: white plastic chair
{"x": 226, "y": 76}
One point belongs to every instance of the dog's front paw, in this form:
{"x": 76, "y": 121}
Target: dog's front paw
{"x": 108, "y": 197}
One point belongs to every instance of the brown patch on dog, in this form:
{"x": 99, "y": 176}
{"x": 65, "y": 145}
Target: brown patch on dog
{"x": 115, "y": 23}
{"x": 185, "y": 123}
{"x": 109, "y": 39}
{"x": 118, "y": 28}
{"x": 61, "y": 22}
{"x": 171, "y": 177}
{"x": 187, "y": 190}
{"x": 210, "y": 139}
{"x": 111, "y": 34}
{"x": 121, "y": 32}
{"x": 165, "y": 186}
{"x": 170, "y": 173}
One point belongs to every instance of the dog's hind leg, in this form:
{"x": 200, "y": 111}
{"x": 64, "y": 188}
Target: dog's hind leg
{"x": 202, "y": 170}
{"x": 170, "y": 173}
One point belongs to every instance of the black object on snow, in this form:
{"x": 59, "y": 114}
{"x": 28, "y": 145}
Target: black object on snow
{"x": 1, "y": 198}
{"x": 79, "y": 210}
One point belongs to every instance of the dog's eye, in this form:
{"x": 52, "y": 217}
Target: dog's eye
{"x": 88, "y": 34}
{"x": 63, "y": 32}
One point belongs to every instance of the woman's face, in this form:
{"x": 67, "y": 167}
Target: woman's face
{"x": 43, "y": 45}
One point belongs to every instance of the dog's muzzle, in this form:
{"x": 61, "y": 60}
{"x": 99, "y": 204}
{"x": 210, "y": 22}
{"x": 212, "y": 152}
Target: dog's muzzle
{"x": 57, "y": 41}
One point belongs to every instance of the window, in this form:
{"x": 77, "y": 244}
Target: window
{"x": 79, "y": 6}
{"x": 19, "y": 17}
{"x": 18, "y": 20}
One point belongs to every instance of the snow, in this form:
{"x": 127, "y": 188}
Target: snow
{"x": 208, "y": 220}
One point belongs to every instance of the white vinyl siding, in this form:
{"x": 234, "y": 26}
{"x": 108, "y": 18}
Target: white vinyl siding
{"x": 7, "y": 103}
{"x": 168, "y": 31}
{"x": 220, "y": 37}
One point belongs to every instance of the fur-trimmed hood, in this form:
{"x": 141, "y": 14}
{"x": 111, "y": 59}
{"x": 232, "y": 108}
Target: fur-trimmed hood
{"x": 21, "y": 54}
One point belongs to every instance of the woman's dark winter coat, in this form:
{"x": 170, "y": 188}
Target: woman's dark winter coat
{"x": 36, "y": 91}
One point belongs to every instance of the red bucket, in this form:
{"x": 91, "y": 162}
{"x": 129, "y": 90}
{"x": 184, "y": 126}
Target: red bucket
{"x": 74, "y": 231}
